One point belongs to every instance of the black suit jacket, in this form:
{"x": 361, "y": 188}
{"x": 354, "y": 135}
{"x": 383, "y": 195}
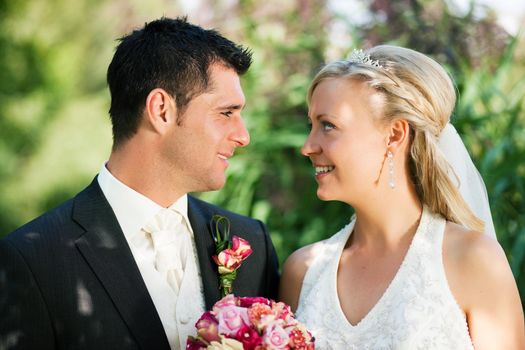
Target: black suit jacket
{"x": 68, "y": 279}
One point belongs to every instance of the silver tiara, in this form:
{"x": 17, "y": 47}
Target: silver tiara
{"x": 359, "y": 56}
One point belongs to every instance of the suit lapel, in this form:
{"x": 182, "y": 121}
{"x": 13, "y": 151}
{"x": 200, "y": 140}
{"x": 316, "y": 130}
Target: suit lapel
{"x": 106, "y": 250}
{"x": 200, "y": 222}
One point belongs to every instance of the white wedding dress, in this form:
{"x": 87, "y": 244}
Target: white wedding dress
{"x": 417, "y": 310}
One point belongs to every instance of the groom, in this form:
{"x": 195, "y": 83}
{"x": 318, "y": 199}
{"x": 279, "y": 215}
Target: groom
{"x": 127, "y": 263}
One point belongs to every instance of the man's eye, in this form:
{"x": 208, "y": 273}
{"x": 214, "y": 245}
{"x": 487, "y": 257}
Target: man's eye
{"x": 327, "y": 125}
{"x": 228, "y": 113}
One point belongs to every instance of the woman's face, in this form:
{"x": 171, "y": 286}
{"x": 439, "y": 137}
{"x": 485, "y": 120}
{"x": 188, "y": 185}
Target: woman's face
{"x": 346, "y": 145}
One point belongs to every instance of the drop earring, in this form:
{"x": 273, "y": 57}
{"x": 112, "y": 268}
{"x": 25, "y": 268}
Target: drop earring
{"x": 391, "y": 177}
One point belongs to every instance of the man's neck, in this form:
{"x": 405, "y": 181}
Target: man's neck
{"x": 139, "y": 170}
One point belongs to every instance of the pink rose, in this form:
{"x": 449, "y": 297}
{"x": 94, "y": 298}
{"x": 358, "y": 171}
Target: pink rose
{"x": 249, "y": 301}
{"x": 276, "y": 337}
{"x": 228, "y": 300}
{"x": 230, "y": 259}
{"x": 241, "y": 247}
{"x": 208, "y": 327}
{"x": 231, "y": 319}
{"x": 249, "y": 338}
{"x": 267, "y": 319}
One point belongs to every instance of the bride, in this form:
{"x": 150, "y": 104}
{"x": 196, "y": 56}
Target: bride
{"x": 418, "y": 266}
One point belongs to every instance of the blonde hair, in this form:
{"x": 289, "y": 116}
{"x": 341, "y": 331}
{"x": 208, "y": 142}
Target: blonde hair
{"x": 417, "y": 89}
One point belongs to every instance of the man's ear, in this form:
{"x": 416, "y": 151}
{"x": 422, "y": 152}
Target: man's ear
{"x": 399, "y": 135}
{"x": 160, "y": 111}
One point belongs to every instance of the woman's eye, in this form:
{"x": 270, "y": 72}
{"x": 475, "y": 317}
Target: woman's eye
{"x": 327, "y": 126}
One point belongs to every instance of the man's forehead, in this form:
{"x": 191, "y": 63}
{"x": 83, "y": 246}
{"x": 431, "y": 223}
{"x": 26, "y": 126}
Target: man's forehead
{"x": 227, "y": 101}
{"x": 225, "y": 86}
{"x": 220, "y": 74}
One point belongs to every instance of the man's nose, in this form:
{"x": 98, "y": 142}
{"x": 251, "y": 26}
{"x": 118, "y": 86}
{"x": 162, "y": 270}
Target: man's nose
{"x": 241, "y": 136}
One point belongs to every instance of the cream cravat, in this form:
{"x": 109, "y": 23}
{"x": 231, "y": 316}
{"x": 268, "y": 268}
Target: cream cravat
{"x": 172, "y": 245}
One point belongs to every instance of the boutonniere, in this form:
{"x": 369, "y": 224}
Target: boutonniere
{"x": 229, "y": 254}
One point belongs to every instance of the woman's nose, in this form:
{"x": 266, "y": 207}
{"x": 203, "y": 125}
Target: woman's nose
{"x": 310, "y": 146}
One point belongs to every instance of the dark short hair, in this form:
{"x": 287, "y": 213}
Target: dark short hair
{"x": 167, "y": 53}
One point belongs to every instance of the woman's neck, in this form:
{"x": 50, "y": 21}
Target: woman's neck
{"x": 387, "y": 222}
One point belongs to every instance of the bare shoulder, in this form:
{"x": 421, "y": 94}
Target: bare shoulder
{"x": 299, "y": 261}
{"x": 472, "y": 259}
{"x": 473, "y": 252}
{"x": 482, "y": 282}
{"x": 294, "y": 270}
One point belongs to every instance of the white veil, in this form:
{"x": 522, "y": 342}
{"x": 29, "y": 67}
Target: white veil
{"x": 471, "y": 185}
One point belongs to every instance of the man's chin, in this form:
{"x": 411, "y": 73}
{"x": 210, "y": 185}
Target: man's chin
{"x": 213, "y": 185}
{"x": 208, "y": 184}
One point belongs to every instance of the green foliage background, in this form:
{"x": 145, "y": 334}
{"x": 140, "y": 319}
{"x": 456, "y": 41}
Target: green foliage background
{"x": 55, "y": 131}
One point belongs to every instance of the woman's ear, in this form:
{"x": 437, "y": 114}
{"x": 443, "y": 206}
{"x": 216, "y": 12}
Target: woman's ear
{"x": 160, "y": 111}
{"x": 399, "y": 135}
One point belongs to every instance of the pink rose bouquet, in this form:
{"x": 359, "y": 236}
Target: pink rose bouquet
{"x": 249, "y": 323}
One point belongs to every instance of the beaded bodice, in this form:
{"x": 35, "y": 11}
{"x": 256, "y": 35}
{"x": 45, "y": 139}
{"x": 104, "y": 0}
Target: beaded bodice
{"x": 416, "y": 311}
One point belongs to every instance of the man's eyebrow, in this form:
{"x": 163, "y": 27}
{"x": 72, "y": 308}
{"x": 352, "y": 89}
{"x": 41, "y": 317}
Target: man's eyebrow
{"x": 232, "y": 106}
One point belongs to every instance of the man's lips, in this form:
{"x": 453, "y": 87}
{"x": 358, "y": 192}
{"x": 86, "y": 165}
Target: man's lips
{"x": 224, "y": 157}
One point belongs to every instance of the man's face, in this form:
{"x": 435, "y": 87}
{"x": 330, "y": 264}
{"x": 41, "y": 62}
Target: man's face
{"x": 198, "y": 149}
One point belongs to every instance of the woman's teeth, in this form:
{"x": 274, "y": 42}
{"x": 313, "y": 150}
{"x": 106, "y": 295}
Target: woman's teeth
{"x": 323, "y": 169}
